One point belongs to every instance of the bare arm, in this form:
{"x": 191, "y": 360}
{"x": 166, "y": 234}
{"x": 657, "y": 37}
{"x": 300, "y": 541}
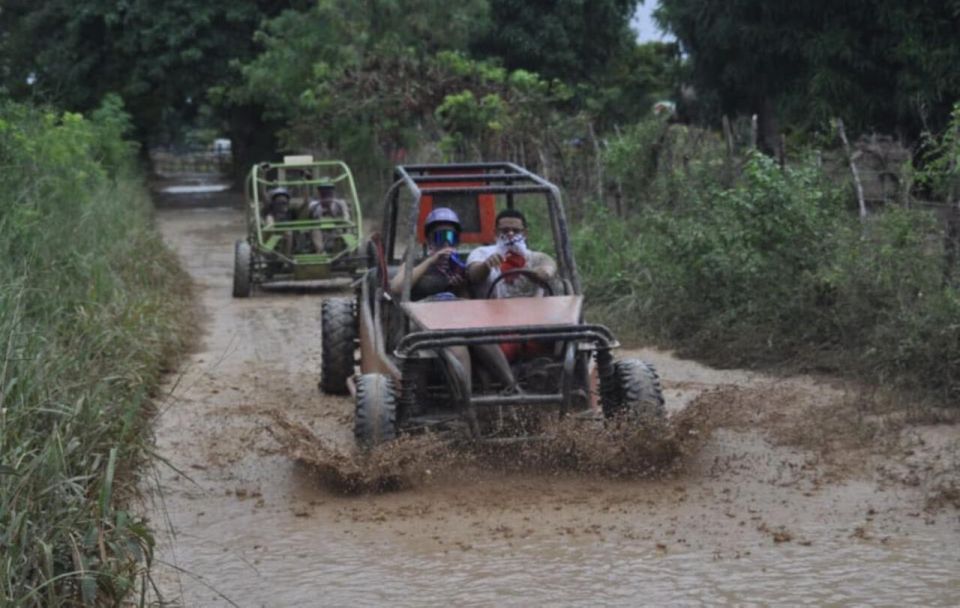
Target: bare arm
{"x": 396, "y": 283}
{"x": 478, "y": 272}
{"x": 545, "y": 266}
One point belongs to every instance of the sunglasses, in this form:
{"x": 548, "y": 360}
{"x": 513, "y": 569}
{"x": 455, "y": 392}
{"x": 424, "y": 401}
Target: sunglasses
{"x": 445, "y": 237}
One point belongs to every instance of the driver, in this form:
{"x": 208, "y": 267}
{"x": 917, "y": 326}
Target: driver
{"x": 485, "y": 264}
{"x": 277, "y": 208}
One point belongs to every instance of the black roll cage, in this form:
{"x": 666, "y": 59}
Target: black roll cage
{"x": 503, "y": 178}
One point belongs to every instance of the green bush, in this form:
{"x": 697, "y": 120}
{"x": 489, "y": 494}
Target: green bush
{"x": 770, "y": 269}
{"x": 89, "y": 302}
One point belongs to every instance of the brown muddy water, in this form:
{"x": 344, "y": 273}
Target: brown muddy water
{"x": 748, "y": 514}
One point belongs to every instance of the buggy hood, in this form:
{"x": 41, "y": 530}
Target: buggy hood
{"x": 510, "y": 312}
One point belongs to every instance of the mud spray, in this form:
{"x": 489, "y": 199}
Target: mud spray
{"x": 613, "y": 449}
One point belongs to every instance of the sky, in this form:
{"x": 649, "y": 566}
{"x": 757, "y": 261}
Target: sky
{"x": 642, "y": 23}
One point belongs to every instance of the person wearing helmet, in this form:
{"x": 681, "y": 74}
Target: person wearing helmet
{"x": 326, "y": 206}
{"x": 277, "y": 208}
{"x": 441, "y": 275}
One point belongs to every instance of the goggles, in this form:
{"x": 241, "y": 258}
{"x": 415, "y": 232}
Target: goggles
{"x": 445, "y": 237}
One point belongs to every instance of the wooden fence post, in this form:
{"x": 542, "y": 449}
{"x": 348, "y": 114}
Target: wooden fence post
{"x": 853, "y": 169}
{"x": 951, "y": 236}
{"x": 597, "y": 160}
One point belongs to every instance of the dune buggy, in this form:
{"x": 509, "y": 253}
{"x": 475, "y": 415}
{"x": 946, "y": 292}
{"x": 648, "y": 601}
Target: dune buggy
{"x": 286, "y": 249}
{"x": 408, "y": 382}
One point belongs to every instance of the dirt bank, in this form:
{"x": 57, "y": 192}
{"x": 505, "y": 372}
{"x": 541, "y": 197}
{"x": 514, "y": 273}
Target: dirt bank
{"x": 802, "y": 491}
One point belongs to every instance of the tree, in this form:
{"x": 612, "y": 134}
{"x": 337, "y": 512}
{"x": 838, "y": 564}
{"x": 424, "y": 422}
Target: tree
{"x": 571, "y": 40}
{"x": 886, "y": 65}
{"x": 160, "y": 57}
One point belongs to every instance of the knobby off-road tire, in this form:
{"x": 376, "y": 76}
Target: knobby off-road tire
{"x": 637, "y": 393}
{"x": 242, "y": 270}
{"x": 338, "y": 335}
{"x": 375, "y": 421}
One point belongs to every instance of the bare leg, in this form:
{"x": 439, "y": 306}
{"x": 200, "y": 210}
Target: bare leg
{"x": 493, "y": 359}
{"x": 462, "y": 355}
{"x": 462, "y": 359}
{"x": 316, "y": 236}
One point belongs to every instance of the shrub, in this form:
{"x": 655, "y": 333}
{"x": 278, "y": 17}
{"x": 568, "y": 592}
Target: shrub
{"x": 773, "y": 268}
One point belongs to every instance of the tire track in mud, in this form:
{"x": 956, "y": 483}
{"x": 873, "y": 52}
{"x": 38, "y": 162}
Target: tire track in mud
{"x": 759, "y": 504}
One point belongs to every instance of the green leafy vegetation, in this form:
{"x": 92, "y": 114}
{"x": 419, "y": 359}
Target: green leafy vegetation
{"x": 91, "y": 310}
{"x": 769, "y": 265}
{"x": 882, "y": 65}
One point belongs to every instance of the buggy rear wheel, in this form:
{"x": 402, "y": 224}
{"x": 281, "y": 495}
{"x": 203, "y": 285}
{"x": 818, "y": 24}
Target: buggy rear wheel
{"x": 375, "y": 420}
{"x": 338, "y": 335}
{"x": 242, "y": 269}
{"x": 637, "y": 392}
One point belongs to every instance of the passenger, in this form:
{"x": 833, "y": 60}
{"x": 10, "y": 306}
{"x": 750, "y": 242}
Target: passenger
{"x": 327, "y": 206}
{"x": 442, "y": 276}
{"x": 510, "y": 252}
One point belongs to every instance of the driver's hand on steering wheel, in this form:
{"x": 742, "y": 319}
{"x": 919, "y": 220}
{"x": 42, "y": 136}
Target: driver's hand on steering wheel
{"x": 545, "y": 275}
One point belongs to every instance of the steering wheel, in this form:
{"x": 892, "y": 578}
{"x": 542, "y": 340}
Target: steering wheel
{"x": 533, "y": 276}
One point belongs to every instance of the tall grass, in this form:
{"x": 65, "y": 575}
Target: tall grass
{"x": 754, "y": 264}
{"x": 89, "y": 307}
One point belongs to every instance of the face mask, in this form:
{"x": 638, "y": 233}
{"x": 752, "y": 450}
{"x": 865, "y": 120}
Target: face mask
{"x": 516, "y": 243}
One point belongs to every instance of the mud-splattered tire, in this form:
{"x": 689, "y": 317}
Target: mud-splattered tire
{"x": 242, "y": 270}
{"x": 375, "y": 421}
{"x": 338, "y": 335}
{"x": 638, "y": 391}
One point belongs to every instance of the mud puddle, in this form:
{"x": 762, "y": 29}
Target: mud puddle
{"x": 770, "y": 508}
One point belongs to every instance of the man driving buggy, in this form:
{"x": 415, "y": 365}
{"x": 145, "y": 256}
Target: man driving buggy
{"x": 485, "y": 265}
{"x": 277, "y": 208}
{"x": 441, "y": 275}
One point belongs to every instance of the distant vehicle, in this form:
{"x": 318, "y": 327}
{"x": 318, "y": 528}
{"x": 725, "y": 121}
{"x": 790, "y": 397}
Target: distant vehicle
{"x": 290, "y": 243}
{"x": 408, "y": 382}
{"x": 221, "y": 146}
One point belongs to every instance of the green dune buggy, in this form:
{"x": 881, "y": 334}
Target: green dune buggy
{"x": 303, "y": 224}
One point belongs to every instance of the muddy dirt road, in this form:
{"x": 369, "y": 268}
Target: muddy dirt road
{"x": 786, "y": 503}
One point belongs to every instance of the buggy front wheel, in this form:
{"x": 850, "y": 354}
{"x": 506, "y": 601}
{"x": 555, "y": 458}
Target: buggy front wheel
{"x": 242, "y": 269}
{"x": 636, "y": 392}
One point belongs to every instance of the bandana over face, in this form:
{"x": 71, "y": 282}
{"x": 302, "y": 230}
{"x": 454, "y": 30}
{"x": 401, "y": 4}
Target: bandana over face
{"x": 513, "y": 249}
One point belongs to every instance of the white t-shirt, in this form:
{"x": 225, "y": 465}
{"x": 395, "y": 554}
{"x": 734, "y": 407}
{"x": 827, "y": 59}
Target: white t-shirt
{"x": 519, "y": 288}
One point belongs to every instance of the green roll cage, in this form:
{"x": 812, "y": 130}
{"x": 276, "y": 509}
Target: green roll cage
{"x": 266, "y": 238}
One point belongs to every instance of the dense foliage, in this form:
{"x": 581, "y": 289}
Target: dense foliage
{"x": 769, "y": 265}
{"x": 89, "y": 307}
{"x": 882, "y": 65}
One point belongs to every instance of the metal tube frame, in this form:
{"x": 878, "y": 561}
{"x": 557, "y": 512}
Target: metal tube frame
{"x": 500, "y": 177}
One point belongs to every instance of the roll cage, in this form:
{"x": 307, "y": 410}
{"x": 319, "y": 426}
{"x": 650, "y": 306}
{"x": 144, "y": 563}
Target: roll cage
{"x": 499, "y": 178}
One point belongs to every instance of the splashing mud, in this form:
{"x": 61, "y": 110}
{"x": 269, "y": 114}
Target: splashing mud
{"x": 400, "y": 464}
{"x": 617, "y": 449}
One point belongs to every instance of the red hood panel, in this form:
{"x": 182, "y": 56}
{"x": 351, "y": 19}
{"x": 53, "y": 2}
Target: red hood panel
{"x": 510, "y": 312}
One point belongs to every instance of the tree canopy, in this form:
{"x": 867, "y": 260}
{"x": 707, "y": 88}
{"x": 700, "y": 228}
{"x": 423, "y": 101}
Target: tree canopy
{"x": 886, "y": 65}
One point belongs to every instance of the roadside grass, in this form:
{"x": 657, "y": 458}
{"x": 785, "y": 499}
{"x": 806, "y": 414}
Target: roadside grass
{"x": 92, "y": 310}
{"x": 770, "y": 267}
